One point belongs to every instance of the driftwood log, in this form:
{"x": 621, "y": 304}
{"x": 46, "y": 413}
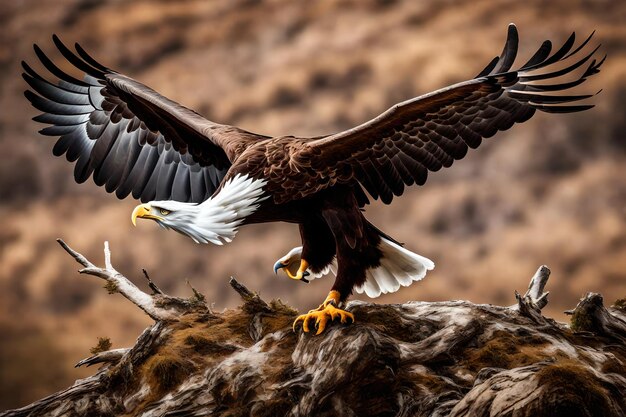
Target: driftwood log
{"x": 451, "y": 358}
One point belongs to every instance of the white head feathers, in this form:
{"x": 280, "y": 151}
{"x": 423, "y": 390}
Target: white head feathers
{"x": 216, "y": 219}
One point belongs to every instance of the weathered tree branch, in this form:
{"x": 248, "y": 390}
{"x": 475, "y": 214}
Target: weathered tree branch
{"x": 109, "y": 356}
{"x": 537, "y": 285}
{"x": 259, "y": 309}
{"x": 590, "y": 315}
{"x": 158, "y": 305}
{"x": 252, "y": 302}
{"x": 116, "y": 282}
{"x": 152, "y": 285}
{"x": 451, "y": 358}
{"x": 534, "y": 299}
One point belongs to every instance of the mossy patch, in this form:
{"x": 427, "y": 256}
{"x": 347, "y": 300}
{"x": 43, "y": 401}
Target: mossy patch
{"x": 273, "y": 323}
{"x": 111, "y": 287}
{"x": 197, "y": 298}
{"x": 232, "y": 325}
{"x": 104, "y": 344}
{"x": 572, "y": 391}
{"x": 282, "y": 308}
{"x": 582, "y": 322}
{"x": 166, "y": 369}
{"x": 202, "y": 345}
{"x": 505, "y": 350}
{"x": 197, "y": 341}
{"x": 620, "y": 304}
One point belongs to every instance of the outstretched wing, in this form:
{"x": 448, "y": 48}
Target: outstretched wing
{"x": 129, "y": 137}
{"x": 427, "y": 133}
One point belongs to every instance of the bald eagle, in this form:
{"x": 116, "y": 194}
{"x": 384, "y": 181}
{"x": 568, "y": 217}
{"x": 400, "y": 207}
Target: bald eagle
{"x": 205, "y": 179}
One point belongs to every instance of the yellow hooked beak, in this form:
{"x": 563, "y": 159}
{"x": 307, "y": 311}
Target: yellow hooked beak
{"x": 143, "y": 211}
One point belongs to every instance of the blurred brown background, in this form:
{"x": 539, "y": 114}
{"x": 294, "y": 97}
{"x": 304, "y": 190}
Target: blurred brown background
{"x": 551, "y": 191}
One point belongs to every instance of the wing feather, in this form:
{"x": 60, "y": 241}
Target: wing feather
{"x": 130, "y": 138}
{"x": 430, "y": 132}
{"x": 180, "y": 185}
{"x": 542, "y": 53}
{"x": 509, "y": 52}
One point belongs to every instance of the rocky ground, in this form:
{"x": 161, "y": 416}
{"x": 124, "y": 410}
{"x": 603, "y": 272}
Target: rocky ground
{"x": 550, "y": 191}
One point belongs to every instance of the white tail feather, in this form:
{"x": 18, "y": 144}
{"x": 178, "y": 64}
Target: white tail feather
{"x": 398, "y": 267}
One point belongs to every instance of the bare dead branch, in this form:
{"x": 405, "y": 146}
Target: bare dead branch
{"x": 252, "y": 302}
{"x": 109, "y": 356}
{"x": 537, "y": 285}
{"x": 241, "y": 289}
{"x": 117, "y": 282}
{"x": 107, "y": 257}
{"x": 531, "y": 303}
{"x": 152, "y": 285}
{"x": 590, "y": 315}
{"x": 77, "y": 256}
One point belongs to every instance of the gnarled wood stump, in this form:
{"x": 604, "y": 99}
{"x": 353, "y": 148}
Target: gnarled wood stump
{"x": 416, "y": 359}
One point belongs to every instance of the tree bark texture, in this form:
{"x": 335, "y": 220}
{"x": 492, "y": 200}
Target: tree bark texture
{"x": 451, "y": 358}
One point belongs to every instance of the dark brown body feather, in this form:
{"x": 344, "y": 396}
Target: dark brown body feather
{"x": 133, "y": 140}
{"x": 332, "y": 225}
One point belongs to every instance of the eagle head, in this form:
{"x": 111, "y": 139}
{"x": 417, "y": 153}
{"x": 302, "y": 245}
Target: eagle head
{"x": 203, "y": 223}
{"x": 214, "y": 220}
{"x": 181, "y": 217}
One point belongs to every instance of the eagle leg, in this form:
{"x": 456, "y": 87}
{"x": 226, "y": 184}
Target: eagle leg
{"x": 327, "y": 311}
{"x": 332, "y": 298}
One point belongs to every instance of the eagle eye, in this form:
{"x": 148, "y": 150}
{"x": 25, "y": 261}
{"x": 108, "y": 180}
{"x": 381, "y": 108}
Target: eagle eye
{"x": 164, "y": 211}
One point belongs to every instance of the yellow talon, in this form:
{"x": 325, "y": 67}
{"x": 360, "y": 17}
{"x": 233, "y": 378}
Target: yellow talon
{"x": 304, "y": 265}
{"x": 292, "y": 276}
{"x": 300, "y": 274}
{"x": 325, "y": 311}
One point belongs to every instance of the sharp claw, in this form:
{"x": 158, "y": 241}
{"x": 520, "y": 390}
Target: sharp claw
{"x": 350, "y": 316}
{"x": 306, "y": 274}
{"x": 322, "y": 316}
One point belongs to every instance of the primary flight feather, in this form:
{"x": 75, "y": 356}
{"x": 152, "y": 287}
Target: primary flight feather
{"x": 205, "y": 179}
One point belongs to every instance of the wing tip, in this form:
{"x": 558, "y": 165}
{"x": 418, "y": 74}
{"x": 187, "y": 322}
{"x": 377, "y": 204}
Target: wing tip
{"x": 547, "y": 108}
{"x": 38, "y": 50}
{"x": 30, "y": 96}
